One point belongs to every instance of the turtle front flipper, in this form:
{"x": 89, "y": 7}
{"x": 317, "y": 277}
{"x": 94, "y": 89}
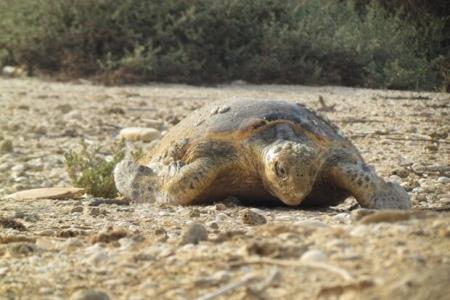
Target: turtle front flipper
{"x": 370, "y": 190}
{"x": 136, "y": 182}
{"x": 182, "y": 184}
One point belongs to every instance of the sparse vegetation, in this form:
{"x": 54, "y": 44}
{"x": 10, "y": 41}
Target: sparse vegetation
{"x": 93, "y": 171}
{"x": 205, "y": 41}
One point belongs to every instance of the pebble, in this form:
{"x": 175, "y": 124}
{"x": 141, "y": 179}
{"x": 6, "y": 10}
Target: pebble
{"x": 250, "y": 217}
{"x": 395, "y": 178}
{"x": 194, "y": 234}
{"x": 139, "y": 134}
{"x": 418, "y": 190}
{"x": 89, "y": 294}
{"x": 313, "y": 256}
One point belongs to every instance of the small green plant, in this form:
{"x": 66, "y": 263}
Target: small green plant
{"x": 91, "y": 170}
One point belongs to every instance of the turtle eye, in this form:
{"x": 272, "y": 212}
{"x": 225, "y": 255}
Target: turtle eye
{"x": 280, "y": 170}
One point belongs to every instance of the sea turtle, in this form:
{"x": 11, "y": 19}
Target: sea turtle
{"x": 262, "y": 151}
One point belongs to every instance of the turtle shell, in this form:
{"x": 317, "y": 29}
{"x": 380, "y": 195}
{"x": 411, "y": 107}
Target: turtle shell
{"x": 241, "y": 119}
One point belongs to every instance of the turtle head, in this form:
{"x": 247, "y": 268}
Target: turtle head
{"x": 290, "y": 170}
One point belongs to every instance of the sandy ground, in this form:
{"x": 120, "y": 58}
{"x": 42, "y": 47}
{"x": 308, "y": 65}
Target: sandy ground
{"x": 80, "y": 249}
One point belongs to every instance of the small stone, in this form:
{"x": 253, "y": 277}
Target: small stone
{"x": 6, "y": 146}
{"x": 443, "y": 180}
{"x": 139, "y": 134}
{"x": 395, "y": 178}
{"x": 77, "y": 209}
{"x": 18, "y": 169}
{"x": 89, "y": 294}
{"x": 313, "y": 256}
{"x": 418, "y": 190}
{"x": 94, "y": 211}
{"x": 193, "y": 234}
{"x": 251, "y": 217}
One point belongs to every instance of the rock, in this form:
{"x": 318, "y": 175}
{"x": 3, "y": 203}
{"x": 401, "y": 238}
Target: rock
{"x": 89, "y": 294}
{"x": 77, "y": 209}
{"x": 313, "y": 256}
{"x": 194, "y": 234}
{"x": 251, "y": 217}
{"x": 48, "y": 193}
{"x": 139, "y": 134}
{"x": 18, "y": 169}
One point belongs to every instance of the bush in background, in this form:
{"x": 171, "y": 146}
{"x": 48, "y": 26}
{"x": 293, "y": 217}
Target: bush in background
{"x": 207, "y": 41}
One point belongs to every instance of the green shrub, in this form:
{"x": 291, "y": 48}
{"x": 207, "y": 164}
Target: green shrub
{"x": 208, "y": 41}
{"x": 90, "y": 170}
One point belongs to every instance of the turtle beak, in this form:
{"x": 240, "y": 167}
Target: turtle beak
{"x": 293, "y": 201}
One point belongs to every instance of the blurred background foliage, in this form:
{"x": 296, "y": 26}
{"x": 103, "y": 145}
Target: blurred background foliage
{"x": 399, "y": 44}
